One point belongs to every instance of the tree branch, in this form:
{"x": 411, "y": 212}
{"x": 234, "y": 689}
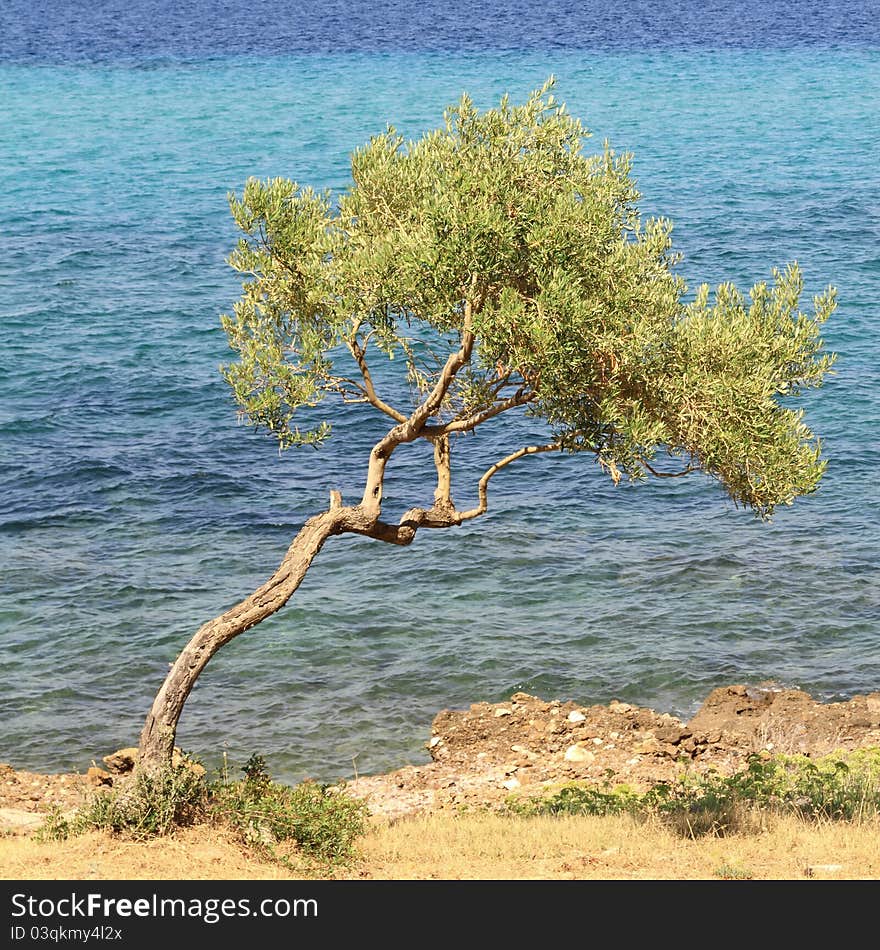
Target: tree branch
{"x": 443, "y": 492}
{"x": 360, "y": 354}
{"x": 484, "y": 481}
{"x": 412, "y": 427}
{"x": 441, "y": 515}
{"x": 403, "y": 533}
{"x": 684, "y": 471}
{"x": 519, "y": 398}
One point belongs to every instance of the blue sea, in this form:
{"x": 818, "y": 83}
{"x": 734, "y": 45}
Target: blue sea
{"x": 134, "y": 505}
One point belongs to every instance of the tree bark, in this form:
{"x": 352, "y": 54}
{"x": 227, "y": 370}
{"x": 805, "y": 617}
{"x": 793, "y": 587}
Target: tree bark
{"x": 160, "y": 728}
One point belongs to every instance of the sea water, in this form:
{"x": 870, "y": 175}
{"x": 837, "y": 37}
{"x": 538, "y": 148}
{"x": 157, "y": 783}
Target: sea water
{"x": 134, "y": 506}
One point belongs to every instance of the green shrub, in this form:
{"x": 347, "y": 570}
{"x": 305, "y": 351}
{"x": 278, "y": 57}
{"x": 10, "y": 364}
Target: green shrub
{"x": 151, "y": 804}
{"x": 580, "y": 799}
{"x": 844, "y": 786}
{"x": 55, "y": 827}
{"x": 321, "y": 821}
{"x": 727, "y": 872}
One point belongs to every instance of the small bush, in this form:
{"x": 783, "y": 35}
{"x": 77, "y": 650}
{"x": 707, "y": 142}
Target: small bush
{"x": 321, "y": 821}
{"x": 55, "y": 827}
{"x": 844, "y": 786}
{"x": 147, "y": 806}
{"x": 151, "y": 804}
{"x": 580, "y": 799}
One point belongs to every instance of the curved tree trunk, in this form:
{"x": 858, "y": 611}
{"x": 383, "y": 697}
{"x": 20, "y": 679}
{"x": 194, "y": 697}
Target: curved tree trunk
{"x": 157, "y": 737}
{"x": 160, "y": 728}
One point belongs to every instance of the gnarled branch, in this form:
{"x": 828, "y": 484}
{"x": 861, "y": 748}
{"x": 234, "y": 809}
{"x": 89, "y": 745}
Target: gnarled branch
{"x": 684, "y": 471}
{"x": 443, "y": 492}
{"x": 483, "y": 486}
{"x": 360, "y": 354}
{"x": 412, "y": 427}
{"x": 519, "y": 398}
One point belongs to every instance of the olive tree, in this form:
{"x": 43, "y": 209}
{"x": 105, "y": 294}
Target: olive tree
{"x": 499, "y": 269}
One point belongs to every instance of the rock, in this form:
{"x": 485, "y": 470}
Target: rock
{"x": 511, "y": 784}
{"x": 522, "y": 750}
{"x": 813, "y": 869}
{"x": 434, "y": 741}
{"x": 576, "y": 716}
{"x": 122, "y": 761}
{"x": 98, "y": 777}
{"x": 577, "y": 753}
{"x": 180, "y": 760}
{"x": 503, "y": 711}
{"x": 649, "y": 746}
{"x": 673, "y": 734}
{"x": 858, "y": 721}
{"x": 618, "y": 707}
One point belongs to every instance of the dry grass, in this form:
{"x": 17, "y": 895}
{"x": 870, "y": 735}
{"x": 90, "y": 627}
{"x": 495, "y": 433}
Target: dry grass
{"x": 479, "y": 846}
{"x": 616, "y": 848}
{"x": 199, "y": 853}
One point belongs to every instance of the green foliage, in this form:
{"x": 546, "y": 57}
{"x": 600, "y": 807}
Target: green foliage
{"x": 580, "y": 799}
{"x": 256, "y": 774}
{"x": 150, "y": 805}
{"x": 500, "y": 218}
{"x": 321, "y": 821}
{"x": 56, "y": 827}
{"x": 844, "y": 786}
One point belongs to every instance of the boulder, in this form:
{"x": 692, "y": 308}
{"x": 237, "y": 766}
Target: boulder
{"x": 577, "y": 753}
{"x": 98, "y": 777}
{"x": 122, "y": 761}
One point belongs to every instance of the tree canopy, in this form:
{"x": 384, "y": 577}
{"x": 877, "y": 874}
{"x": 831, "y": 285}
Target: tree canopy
{"x": 503, "y": 270}
{"x": 498, "y": 227}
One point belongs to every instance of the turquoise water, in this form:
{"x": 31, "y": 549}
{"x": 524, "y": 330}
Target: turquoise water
{"x": 133, "y": 506}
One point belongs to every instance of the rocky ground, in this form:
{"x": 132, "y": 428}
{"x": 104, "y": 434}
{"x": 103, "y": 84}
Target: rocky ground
{"x": 482, "y": 755}
{"x": 486, "y": 753}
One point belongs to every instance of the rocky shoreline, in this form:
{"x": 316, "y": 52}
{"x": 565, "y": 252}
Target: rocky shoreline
{"x": 482, "y": 755}
{"x": 486, "y": 753}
